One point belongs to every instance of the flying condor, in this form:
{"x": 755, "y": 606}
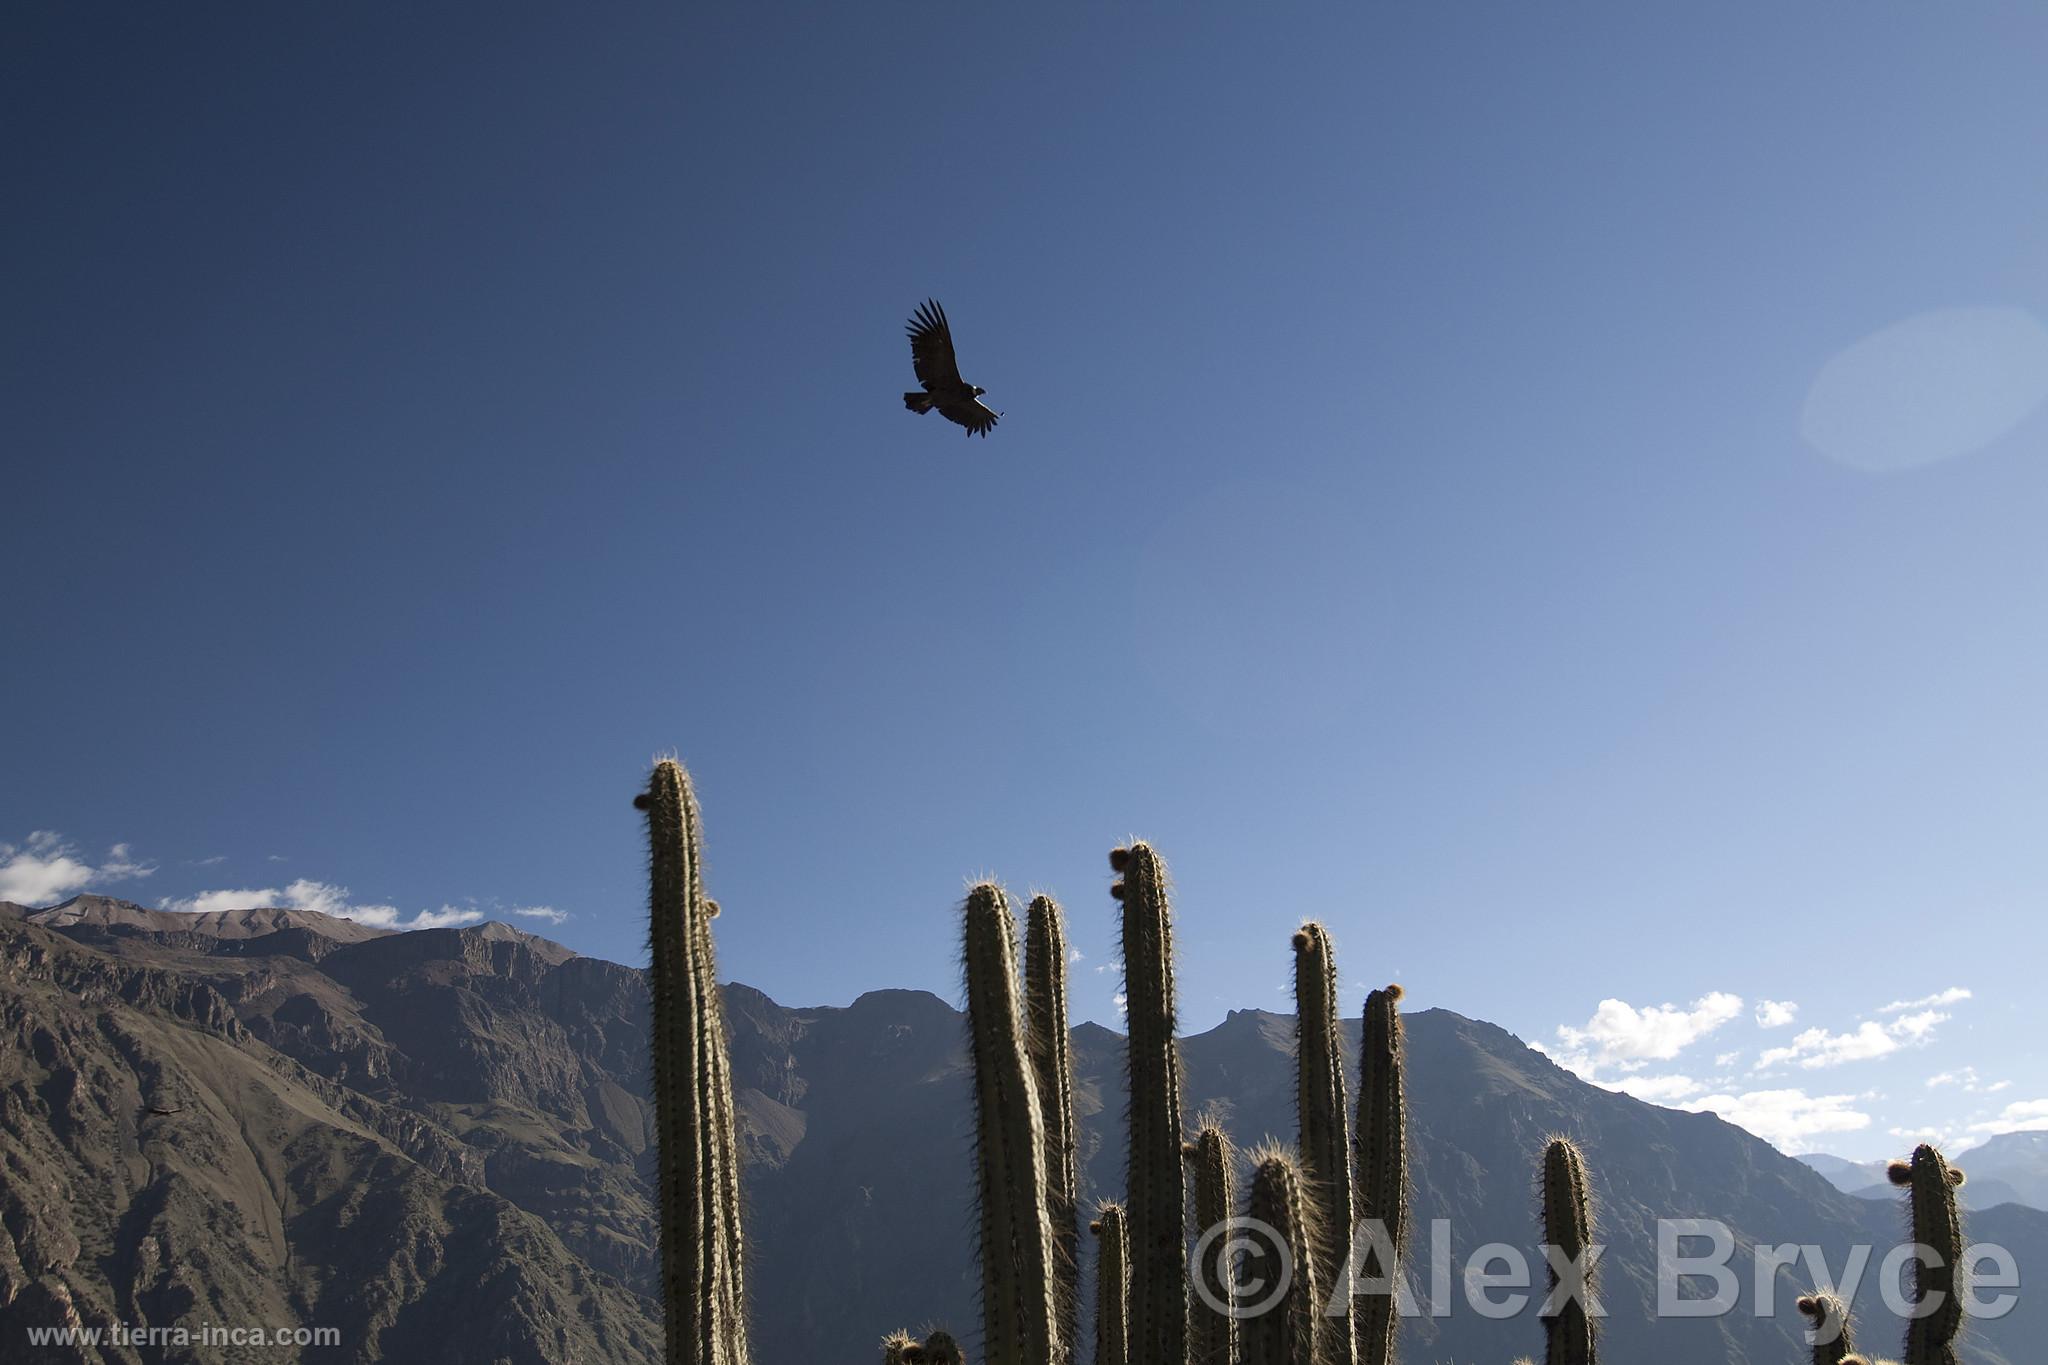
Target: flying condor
{"x": 931, "y": 351}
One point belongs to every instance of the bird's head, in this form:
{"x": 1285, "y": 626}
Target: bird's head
{"x": 979, "y": 391}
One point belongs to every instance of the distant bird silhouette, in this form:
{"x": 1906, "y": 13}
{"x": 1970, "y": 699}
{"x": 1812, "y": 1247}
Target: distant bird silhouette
{"x": 155, "y": 1110}
{"x": 931, "y": 351}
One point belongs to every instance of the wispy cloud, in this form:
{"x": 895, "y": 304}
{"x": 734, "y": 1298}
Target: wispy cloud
{"x": 2018, "y": 1117}
{"x": 1775, "y": 1013}
{"x": 47, "y": 868}
{"x": 1787, "y": 1119}
{"x": 1622, "y": 1036}
{"x": 1817, "y": 1048}
{"x": 1953, "y": 995}
{"x": 1655, "y": 1089}
{"x": 541, "y": 912}
{"x": 324, "y": 898}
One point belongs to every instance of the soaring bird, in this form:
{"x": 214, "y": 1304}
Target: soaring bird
{"x": 931, "y": 351}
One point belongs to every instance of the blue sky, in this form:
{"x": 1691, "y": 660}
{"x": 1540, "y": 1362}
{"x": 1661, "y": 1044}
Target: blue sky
{"x": 1554, "y": 493}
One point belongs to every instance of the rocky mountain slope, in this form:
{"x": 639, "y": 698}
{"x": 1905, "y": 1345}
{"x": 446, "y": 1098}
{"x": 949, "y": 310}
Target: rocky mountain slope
{"x": 436, "y": 1142}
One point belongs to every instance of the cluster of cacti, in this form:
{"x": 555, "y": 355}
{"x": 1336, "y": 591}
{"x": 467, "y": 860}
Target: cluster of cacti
{"x": 697, "y": 1166}
{"x": 1315, "y": 1199}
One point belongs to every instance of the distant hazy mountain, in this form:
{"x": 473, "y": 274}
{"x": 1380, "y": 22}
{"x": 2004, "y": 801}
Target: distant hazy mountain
{"x": 438, "y": 1142}
{"x": 2011, "y": 1168}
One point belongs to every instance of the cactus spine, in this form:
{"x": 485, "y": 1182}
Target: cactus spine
{"x": 1568, "y": 1226}
{"x": 1045, "y": 998}
{"x": 1931, "y": 1340}
{"x": 1320, "y": 1103}
{"x": 1020, "y": 1321}
{"x": 901, "y": 1348}
{"x": 702, "y": 1261}
{"x": 1112, "y": 1287}
{"x": 1288, "y": 1332}
{"x": 1381, "y": 1147}
{"x": 1833, "y": 1343}
{"x": 1154, "y": 1182}
{"x": 1212, "y": 1333}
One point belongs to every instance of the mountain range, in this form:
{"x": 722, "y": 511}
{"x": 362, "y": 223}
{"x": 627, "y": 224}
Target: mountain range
{"x": 2011, "y": 1168}
{"x": 437, "y": 1143}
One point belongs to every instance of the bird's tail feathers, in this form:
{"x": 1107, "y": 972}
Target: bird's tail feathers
{"x": 918, "y": 402}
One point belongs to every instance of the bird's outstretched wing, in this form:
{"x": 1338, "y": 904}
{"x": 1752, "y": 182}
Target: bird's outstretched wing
{"x": 978, "y": 417}
{"x": 931, "y": 349}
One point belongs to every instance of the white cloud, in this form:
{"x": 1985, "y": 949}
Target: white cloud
{"x": 1787, "y": 1119}
{"x": 1940, "y": 1137}
{"x": 1996, "y": 1086}
{"x": 1622, "y": 1036}
{"x": 322, "y": 898}
{"x": 1775, "y": 1013}
{"x": 1816, "y": 1047}
{"x": 2018, "y": 1117}
{"x": 546, "y": 912}
{"x": 1727, "y": 1059}
{"x": 1952, "y": 995}
{"x": 1121, "y": 1001}
{"x": 46, "y": 868}
{"x": 1967, "y": 1075}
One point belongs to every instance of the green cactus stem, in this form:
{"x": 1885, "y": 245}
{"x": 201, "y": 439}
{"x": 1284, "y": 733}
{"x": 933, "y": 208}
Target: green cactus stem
{"x": 1112, "y": 1287}
{"x": 1290, "y": 1331}
{"x": 697, "y": 1168}
{"x": 1833, "y": 1342}
{"x": 1320, "y": 1103}
{"x": 1936, "y": 1224}
{"x": 1568, "y": 1225}
{"x": 1154, "y": 1182}
{"x": 1380, "y": 1146}
{"x": 1019, "y": 1313}
{"x": 1212, "y": 1332}
{"x": 1045, "y": 1001}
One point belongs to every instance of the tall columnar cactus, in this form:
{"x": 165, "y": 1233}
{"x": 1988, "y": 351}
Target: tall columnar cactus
{"x": 1290, "y": 1330}
{"x": 1154, "y": 1182}
{"x": 702, "y": 1260}
{"x": 1381, "y": 1147}
{"x": 1833, "y": 1343}
{"x": 1112, "y": 1287}
{"x": 1320, "y": 1102}
{"x": 1045, "y": 999}
{"x": 1932, "y": 1182}
{"x": 1568, "y": 1226}
{"x": 1019, "y": 1312}
{"x": 1212, "y": 1332}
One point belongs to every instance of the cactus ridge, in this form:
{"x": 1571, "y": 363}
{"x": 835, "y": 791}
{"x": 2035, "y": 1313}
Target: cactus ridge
{"x": 1833, "y": 1342}
{"x": 1155, "y": 1184}
{"x": 1321, "y": 1104}
{"x": 1291, "y": 1331}
{"x": 1935, "y": 1223}
{"x": 1212, "y": 1334}
{"x": 1568, "y": 1226}
{"x": 697, "y": 1167}
{"x": 1019, "y": 1312}
{"x": 1051, "y": 1049}
{"x": 1380, "y": 1147}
